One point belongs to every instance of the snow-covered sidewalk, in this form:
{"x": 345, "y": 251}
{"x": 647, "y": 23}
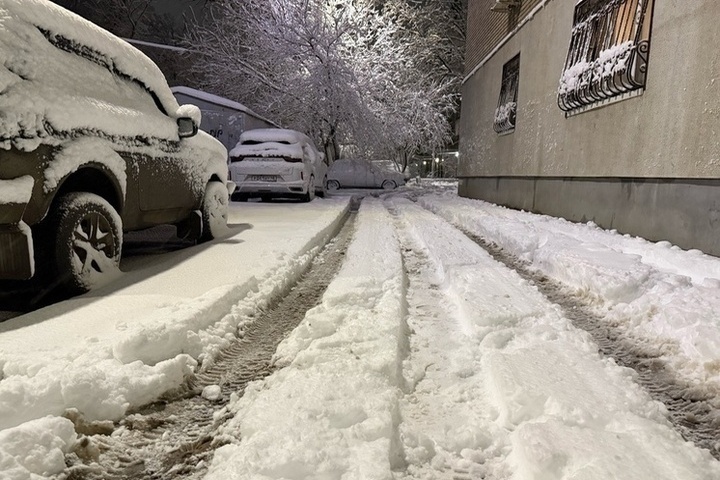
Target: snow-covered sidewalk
{"x": 124, "y": 345}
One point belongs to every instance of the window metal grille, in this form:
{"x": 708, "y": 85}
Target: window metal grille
{"x": 506, "y": 110}
{"x": 608, "y": 54}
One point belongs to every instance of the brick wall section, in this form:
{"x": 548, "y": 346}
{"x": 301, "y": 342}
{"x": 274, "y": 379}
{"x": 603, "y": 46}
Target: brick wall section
{"x": 485, "y": 29}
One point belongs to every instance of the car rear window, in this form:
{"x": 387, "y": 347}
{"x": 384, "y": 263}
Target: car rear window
{"x": 257, "y": 142}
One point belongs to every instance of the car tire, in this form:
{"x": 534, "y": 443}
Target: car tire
{"x": 88, "y": 241}
{"x": 389, "y": 185}
{"x": 333, "y": 185}
{"x": 214, "y": 211}
{"x": 310, "y": 195}
{"x": 323, "y": 189}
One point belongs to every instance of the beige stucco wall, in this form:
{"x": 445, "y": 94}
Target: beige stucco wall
{"x": 672, "y": 130}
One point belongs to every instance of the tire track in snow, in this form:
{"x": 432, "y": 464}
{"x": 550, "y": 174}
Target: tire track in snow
{"x": 689, "y": 409}
{"x": 438, "y": 345}
{"x": 174, "y": 438}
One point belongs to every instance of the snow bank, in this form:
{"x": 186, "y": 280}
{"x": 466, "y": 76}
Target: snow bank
{"x": 331, "y": 411}
{"x": 661, "y": 296}
{"x": 533, "y": 396}
{"x": 105, "y": 354}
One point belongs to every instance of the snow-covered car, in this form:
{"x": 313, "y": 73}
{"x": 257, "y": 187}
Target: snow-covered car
{"x": 92, "y": 143}
{"x": 275, "y": 162}
{"x": 357, "y": 173}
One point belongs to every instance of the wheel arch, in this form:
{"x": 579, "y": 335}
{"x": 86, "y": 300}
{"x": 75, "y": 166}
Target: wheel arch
{"x": 91, "y": 178}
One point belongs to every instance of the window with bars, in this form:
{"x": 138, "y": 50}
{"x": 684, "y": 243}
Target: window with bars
{"x": 608, "y": 54}
{"x": 506, "y": 110}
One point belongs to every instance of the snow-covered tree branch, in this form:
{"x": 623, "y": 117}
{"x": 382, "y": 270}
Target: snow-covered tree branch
{"x": 350, "y": 73}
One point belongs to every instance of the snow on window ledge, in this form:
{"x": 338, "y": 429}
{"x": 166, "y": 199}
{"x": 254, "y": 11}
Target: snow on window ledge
{"x": 505, "y": 118}
{"x": 608, "y": 53}
{"x": 610, "y": 62}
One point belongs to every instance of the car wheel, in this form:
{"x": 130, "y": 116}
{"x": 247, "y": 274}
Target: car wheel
{"x": 389, "y": 185}
{"x": 88, "y": 241}
{"x": 214, "y": 211}
{"x": 323, "y": 190}
{"x": 333, "y": 185}
{"x": 310, "y": 195}
{"x": 238, "y": 197}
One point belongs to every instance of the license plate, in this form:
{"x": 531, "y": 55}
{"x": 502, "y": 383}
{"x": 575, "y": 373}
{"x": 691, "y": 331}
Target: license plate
{"x": 262, "y": 178}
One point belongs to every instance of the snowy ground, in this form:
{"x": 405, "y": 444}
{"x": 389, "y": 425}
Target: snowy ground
{"x": 426, "y": 359}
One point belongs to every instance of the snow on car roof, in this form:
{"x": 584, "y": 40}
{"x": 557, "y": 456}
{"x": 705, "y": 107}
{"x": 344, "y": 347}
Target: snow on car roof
{"x": 59, "y": 24}
{"x": 273, "y": 135}
{"x": 61, "y": 73}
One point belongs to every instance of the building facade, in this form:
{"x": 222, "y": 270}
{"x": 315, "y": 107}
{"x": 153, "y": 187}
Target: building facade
{"x": 597, "y": 110}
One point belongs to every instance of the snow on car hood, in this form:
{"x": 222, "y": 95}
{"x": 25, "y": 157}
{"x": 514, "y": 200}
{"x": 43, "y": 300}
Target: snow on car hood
{"x": 37, "y": 101}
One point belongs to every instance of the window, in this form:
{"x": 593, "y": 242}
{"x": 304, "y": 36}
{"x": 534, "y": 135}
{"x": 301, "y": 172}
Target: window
{"x": 608, "y": 54}
{"x": 507, "y": 104}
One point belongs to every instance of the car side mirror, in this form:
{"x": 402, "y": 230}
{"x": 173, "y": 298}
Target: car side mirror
{"x": 186, "y": 127}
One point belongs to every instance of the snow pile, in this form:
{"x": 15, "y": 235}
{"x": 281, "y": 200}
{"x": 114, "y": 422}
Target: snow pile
{"x": 331, "y": 412}
{"x": 37, "y": 449}
{"x": 661, "y": 296}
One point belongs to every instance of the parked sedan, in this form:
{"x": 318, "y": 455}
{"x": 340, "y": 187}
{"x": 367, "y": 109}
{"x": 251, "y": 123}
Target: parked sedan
{"x": 273, "y": 162}
{"x": 356, "y": 173}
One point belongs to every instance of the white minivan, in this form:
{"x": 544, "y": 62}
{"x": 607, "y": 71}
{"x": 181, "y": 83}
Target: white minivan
{"x": 274, "y": 163}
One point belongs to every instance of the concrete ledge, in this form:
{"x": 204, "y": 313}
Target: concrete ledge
{"x": 685, "y": 212}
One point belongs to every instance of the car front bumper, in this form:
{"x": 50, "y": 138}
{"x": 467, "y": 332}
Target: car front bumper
{"x": 16, "y": 252}
{"x": 16, "y": 243}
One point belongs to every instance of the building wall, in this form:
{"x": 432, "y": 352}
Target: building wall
{"x": 486, "y": 29}
{"x": 662, "y": 147}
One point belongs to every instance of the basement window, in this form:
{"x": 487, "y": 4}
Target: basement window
{"x": 506, "y": 110}
{"x": 608, "y": 55}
